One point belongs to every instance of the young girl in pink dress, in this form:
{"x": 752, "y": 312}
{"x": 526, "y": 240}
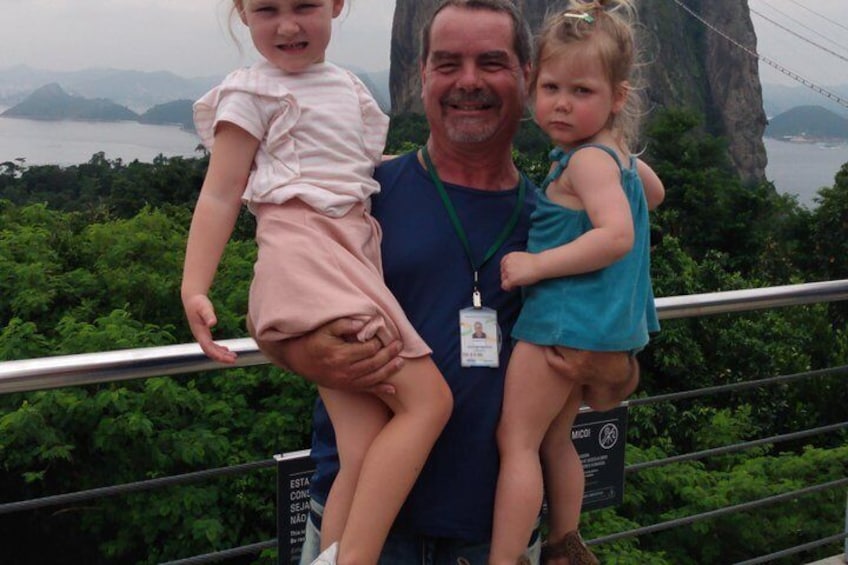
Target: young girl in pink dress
{"x": 296, "y": 139}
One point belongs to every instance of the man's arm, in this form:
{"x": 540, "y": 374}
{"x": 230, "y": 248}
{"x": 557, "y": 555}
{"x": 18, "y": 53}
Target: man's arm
{"x": 331, "y": 357}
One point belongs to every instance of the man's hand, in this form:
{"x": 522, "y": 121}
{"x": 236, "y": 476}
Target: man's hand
{"x": 518, "y": 269}
{"x": 201, "y": 320}
{"x": 331, "y": 357}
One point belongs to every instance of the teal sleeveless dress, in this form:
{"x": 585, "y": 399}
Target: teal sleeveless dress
{"x": 611, "y": 309}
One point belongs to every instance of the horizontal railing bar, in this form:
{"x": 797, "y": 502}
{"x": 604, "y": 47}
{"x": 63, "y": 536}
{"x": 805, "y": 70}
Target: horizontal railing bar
{"x": 733, "y": 448}
{"x": 151, "y": 484}
{"x": 126, "y": 488}
{"x": 225, "y": 554}
{"x": 690, "y": 306}
{"x": 793, "y": 550}
{"x": 717, "y": 512}
{"x": 731, "y": 387}
{"x": 120, "y": 365}
{"x": 92, "y": 368}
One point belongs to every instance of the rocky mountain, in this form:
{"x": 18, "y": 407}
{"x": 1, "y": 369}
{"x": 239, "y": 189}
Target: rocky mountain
{"x": 50, "y": 102}
{"x": 808, "y": 123}
{"x": 690, "y": 66}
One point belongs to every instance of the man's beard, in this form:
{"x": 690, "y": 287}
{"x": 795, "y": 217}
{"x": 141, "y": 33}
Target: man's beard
{"x": 471, "y": 129}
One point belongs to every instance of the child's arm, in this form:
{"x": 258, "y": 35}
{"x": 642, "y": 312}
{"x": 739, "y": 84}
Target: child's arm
{"x": 654, "y": 189}
{"x": 214, "y": 218}
{"x": 596, "y": 180}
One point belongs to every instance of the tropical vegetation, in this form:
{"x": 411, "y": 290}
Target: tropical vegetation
{"x": 90, "y": 260}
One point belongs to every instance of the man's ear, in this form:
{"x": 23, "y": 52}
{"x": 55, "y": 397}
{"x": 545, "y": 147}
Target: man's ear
{"x": 423, "y": 77}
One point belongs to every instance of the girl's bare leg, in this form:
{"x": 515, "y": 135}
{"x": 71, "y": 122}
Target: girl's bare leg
{"x": 357, "y": 420}
{"x": 421, "y": 406}
{"x": 563, "y": 472}
{"x": 534, "y": 395}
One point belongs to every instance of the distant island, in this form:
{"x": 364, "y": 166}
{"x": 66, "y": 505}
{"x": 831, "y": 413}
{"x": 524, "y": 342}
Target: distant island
{"x": 808, "y": 124}
{"x": 51, "y": 102}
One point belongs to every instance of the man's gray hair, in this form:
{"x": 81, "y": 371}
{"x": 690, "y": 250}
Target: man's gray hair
{"x": 522, "y": 39}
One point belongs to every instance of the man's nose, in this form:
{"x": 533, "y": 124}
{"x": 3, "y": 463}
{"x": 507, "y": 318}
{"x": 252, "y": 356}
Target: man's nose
{"x": 469, "y": 77}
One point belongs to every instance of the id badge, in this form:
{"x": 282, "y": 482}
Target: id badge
{"x": 480, "y": 337}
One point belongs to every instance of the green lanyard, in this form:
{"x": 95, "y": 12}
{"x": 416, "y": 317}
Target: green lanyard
{"x": 476, "y": 298}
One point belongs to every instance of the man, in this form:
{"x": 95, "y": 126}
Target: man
{"x": 475, "y": 62}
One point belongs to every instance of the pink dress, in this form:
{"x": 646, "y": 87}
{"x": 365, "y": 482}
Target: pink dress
{"x": 321, "y": 134}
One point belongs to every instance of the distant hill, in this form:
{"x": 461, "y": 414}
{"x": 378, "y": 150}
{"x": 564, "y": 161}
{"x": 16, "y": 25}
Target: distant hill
{"x": 178, "y": 112}
{"x": 139, "y": 91}
{"x": 114, "y": 95}
{"x": 50, "y": 102}
{"x": 808, "y": 122}
{"x": 136, "y": 90}
{"x": 779, "y": 98}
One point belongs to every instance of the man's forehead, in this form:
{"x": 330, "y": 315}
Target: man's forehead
{"x": 489, "y": 55}
{"x": 467, "y": 24}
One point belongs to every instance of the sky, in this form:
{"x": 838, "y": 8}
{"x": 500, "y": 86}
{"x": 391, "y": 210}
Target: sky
{"x": 191, "y": 37}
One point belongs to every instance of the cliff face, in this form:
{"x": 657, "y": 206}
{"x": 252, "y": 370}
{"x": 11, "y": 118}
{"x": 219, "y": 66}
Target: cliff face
{"x": 689, "y": 66}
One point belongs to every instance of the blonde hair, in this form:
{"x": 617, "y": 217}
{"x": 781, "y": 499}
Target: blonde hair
{"x": 606, "y": 30}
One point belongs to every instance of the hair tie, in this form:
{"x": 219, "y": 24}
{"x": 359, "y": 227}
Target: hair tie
{"x": 582, "y": 16}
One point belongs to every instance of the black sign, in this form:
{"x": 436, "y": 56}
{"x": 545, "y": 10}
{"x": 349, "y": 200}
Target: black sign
{"x": 294, "y": 470}
{"x": 598, "y": 437}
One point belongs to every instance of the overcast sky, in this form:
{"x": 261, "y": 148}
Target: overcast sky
{"x": 190, "y": 37}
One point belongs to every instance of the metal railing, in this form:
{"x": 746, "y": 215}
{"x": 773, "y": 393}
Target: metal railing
{"x": 106, "y": 367}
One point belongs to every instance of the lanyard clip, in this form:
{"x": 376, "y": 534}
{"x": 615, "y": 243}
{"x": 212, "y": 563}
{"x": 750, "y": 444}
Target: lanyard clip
{"x": 476, "y": 299}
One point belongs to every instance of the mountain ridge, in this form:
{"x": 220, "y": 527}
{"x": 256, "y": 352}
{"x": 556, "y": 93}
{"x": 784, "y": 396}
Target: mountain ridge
{"x": 808, "y": 123}
{"x": 137, "y": 90}
{"x": 51, "y": 103}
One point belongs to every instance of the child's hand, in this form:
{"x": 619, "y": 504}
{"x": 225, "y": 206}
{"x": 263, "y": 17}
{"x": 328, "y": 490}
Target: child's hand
{"x": 518, "y": 269}
{"x": 201, "y": 320}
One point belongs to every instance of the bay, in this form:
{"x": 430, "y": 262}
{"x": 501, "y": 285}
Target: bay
{"x": 794, "y": 168}
{"x": 71, "y": 143}
{"x": 803, "y": 168}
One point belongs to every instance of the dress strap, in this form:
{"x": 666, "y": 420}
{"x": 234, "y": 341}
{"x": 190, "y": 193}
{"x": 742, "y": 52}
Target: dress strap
{"x": 562, "y": 158}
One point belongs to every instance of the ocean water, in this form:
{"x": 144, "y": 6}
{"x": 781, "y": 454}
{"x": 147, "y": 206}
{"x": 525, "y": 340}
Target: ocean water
{"x": 803, "y": 168}
{"x": 71, "y": 143}
{"x": 795, "y": 168}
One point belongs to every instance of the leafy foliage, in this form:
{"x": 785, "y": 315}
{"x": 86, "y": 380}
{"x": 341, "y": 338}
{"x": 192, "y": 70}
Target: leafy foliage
{"x": 90, "y": 260}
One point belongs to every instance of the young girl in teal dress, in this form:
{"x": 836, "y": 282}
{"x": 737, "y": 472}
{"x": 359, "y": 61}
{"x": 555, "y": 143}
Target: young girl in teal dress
{"x": 586, "y": 275}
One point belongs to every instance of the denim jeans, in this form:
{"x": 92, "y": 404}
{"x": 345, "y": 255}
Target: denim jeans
{"x": 404, "y": 549}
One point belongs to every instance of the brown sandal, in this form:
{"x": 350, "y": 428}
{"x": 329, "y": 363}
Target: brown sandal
{"x": 572, "y": 547}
